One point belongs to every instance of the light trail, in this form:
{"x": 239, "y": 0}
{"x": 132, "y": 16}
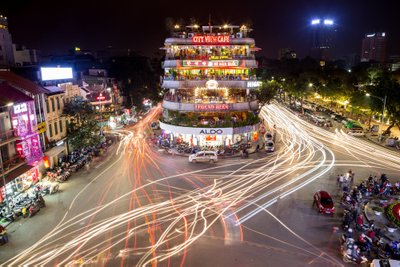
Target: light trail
{"x": 161, "y": 220}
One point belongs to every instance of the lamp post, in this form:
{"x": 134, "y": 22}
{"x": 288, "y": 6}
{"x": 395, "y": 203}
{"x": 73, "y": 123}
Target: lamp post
{"x": 2, "y": 169}
{"x": 383, "y": 112}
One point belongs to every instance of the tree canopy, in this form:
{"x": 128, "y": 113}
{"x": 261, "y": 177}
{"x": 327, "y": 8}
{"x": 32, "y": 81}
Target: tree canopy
{"x": 82, "y": 127}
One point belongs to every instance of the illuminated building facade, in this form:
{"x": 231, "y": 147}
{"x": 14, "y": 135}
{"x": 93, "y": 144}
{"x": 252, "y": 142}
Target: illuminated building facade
{"x": 374, "y": 47}
{"x": 209, "y": 78}
{"x": 6, "y": 46}
{"x": 323, "y": 37}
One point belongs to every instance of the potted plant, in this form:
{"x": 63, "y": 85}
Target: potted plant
{"x": 391, "y": 227}
{"x": 377, "y": 210}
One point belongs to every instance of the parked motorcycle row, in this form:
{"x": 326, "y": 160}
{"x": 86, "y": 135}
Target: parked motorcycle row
{"x": 363, "y": 241}
{"x": 185, "y": 148}
{"x": 29, "y": 202}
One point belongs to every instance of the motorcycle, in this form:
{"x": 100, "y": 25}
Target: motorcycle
{"x": 348, "y": 257}
{"x": 33, "y": 209}
{"x": 40, "y": 202}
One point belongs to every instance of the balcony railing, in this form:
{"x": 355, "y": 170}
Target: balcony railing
{"x": 8, "y": 135}
{"x": 11, "y": 164}
{"x": 198, "y": 57}
{"x": 211, "y": 122}
{"x": 243, "y": 63}
{"x": 210, "y": 77}
{"x": 190, "y": 84}
{"x": 250, "y": 105}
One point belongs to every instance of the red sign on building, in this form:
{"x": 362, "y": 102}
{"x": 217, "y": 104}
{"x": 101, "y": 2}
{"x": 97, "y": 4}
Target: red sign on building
{"x": 211, "y": 107}
{"x": 207, "y": 39}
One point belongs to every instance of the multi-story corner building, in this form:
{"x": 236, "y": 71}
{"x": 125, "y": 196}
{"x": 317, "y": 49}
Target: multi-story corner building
{"x": 209, "y": 75}
{"x": 6, "y": 46}
{"x": 373, "y": 47}
{"x": 20, "y": 149}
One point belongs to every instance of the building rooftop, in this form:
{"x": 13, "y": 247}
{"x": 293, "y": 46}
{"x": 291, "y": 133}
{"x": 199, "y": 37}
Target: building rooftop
{"x": 10, "y": 94}
{"x": 21, "y": 83}
{"x": 54, "y": 90}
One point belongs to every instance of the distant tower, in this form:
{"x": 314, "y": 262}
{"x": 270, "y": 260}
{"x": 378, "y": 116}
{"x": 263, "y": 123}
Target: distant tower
{"x": 374, "y": 47}
{"x": 6, "y": 47}
{"x": 323, "y": 35}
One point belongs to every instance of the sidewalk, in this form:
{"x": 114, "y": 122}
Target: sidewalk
{"x": 96, "y": 163}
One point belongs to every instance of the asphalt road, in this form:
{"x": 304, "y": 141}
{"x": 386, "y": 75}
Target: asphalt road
{"x": 144, "y": 207}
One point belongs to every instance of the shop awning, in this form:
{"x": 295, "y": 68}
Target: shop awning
{"x": 16, "y": 173}
{"x": 55, "y": 151}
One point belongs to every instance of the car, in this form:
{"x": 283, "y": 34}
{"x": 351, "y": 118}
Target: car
{"x": 269, "y": 136}
{"x": 324, "y": 203}
{"x": 204, "y": 156}
{"x": 356, "y": 132}
{"x": 270, "y": 146}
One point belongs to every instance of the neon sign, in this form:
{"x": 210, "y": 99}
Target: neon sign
{"x": 219, "y": 39}
{"x": 20, "y": 108}
{"x": 213, "y": 63}
{"x": 253, "y": 84}
{"x": 204, "y": 107}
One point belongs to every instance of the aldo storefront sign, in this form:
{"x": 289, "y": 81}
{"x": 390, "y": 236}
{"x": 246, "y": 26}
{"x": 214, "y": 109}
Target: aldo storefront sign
{"x": 211, "y": 131}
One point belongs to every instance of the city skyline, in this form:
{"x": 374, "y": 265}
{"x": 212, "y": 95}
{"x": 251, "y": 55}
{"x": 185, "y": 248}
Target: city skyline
{"x": 54, "y": 30}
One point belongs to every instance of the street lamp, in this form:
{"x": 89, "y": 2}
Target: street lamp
{"x": 2, "y": 168}
{"x": 383, "y": 112}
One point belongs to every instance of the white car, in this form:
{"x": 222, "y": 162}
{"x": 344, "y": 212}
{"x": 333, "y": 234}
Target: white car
{"x": 356, "y": 132}
{"x": 204, "y": 156}
{"x": 268, "y": 136}
{"x": 270, "y": 146}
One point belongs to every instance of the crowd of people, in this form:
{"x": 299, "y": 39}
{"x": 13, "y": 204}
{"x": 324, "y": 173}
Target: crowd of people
{"x": 362, "y": 239}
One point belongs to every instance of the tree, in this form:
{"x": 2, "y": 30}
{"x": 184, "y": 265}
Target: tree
{"x": 266, "y": 93}
{"x": 82, "y": 127}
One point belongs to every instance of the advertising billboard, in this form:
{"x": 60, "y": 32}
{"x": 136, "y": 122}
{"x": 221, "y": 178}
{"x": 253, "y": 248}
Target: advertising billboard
{"x": 53, "y": 73}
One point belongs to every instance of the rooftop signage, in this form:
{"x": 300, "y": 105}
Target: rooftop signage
{"x": 208, "y": 39}
{"x": 253, "y": 84}
{"x": 213, "y": 63}
{"x": 211, "y": 107}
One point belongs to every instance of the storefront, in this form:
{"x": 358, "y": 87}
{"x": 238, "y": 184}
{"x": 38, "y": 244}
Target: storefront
{"x": 20, "y": 180}
{"x": 210, "y": 136}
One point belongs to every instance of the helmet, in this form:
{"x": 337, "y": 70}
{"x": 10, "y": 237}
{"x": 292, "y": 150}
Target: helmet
{"x": 350, "y": 230}
{"x": 355, "y": 246}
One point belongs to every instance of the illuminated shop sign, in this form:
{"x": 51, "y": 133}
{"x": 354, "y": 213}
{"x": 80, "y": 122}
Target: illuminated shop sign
{"x": 223, "y": 63}
{"x": 20, "y": 108}
{"x": 212, "y": 131}
{"x": 253, "y": 84}
{"x": 213, "y": 63}
{"x": 203, "y": 107}
{"x": 206, "y": 39}
{"x": 212, "y": 84}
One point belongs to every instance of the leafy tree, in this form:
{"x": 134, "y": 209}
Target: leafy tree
{"x": 266, "y": 92}
{"x": 82, "y": 127}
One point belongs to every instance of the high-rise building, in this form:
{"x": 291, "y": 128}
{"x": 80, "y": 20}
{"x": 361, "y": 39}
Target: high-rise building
{"x": 374, "y": 47}
{"x": 323, "y": 37}
{"x": 210, "y": 78}
{"x": 6, "y": 46}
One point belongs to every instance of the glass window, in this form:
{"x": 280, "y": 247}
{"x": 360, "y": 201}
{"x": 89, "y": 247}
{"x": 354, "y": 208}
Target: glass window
{"x": 55, "y": 128}
{"x": 51, "y": 130}
{"x": 52, "y": 104}
{"x": 61, "y": 127}
{"x": 58, "y": 103}
{"x": 47, "y": 106}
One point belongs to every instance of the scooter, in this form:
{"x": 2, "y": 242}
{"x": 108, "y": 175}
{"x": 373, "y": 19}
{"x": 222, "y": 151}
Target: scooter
{"x": 33, "y": 209}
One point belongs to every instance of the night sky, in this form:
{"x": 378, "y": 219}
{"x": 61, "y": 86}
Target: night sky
{"x": 56, "y": 26}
